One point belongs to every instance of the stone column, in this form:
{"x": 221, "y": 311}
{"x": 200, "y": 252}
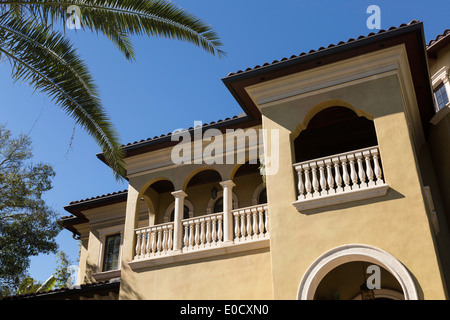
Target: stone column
{"x": 227, "y": 207}
{"x": 177, "y": 217}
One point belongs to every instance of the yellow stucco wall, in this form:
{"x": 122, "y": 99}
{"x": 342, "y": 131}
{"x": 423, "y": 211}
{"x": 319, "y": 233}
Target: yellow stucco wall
{"x": 396, "y": 223}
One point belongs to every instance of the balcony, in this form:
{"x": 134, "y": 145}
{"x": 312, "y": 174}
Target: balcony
{"x": 202, "y": 236}
{"x": 339, "y": 178}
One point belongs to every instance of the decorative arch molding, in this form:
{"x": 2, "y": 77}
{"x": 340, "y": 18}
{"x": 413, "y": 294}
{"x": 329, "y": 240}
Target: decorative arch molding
{"x": 355, "y": 252}
{"x": 322, "y": 106}
{"x": 210, "y": 206}
{"x": 171, "y": 207}
{"x": 257, "y": 192}
{"x": 198, "y": 170}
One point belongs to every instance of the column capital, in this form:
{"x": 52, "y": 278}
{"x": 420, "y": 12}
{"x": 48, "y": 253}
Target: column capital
{"x": 179, "y": 194}
{"x": 228, "y": 183}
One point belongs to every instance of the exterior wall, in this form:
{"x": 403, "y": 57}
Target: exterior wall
{"x": 396, "y": 223}
{"x": 237, "y": 276}
{"x": 102, "y": 221}
{"x": 244, "y": 275}
{"x": 443, "y": 59}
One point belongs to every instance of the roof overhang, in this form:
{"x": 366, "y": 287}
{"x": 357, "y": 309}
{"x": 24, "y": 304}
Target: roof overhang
{"x": 411, "y": 35}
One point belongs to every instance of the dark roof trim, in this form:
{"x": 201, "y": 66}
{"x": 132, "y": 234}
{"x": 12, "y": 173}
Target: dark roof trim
{"x": 438, "y": 43}
{"x": 76, "y": 292}
{"x": 165, "y": 141}
{"x": 75, "y": 207}
{"x": 411, "y": 34}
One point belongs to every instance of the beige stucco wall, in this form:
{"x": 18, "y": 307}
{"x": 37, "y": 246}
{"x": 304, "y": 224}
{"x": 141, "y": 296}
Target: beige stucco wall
{"x": 244, "y": 275}
{"x": 442, "y": 59}
{"x": 396, "y": 223}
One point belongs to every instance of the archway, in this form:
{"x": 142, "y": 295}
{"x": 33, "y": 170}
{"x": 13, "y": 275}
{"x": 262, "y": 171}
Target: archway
{"x": 155, "y": 197}
{"x": 326, "y": 263}
{"x": 334, "y": 130}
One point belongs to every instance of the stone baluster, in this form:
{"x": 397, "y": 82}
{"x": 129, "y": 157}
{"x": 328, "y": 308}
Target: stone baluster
{"x": 369, "y": 171}
{"x": 345, "y": 175}
{"x": 315, "y": 181}
{"x": 300, "y": 185}
{"x": 361, "y": 172}
{"x": 138, "y": 244}
{"x": 330, "y": 180}
{"x": 322, "y": 180}
{"x": 308, "y": 185}
{"x": 377, "y": 168}
{"x": 353, "y": 174}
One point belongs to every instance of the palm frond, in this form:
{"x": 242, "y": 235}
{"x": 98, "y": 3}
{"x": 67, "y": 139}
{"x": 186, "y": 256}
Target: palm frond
{"x": 131, "y": 17}
{"x": 47, "y": 61}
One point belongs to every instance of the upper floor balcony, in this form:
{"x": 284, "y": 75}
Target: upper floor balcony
{"x": 202, "y": 220}
{"x": 338, "y": 160}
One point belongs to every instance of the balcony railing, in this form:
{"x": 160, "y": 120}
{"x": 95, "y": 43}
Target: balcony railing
{"x": 203, "y": 234}
{"x": 340, "y": 178}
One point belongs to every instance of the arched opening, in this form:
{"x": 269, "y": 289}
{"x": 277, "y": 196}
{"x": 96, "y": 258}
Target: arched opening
{"x": 201, "y": 187}
{"x": 334, "y": 130}
{"x": 185, "y": 213}
{"x": 249, "y": 184}
{"x": 154, "y": 201}
{"x": 341, "y": 272}
{"x": 348, "y": 281}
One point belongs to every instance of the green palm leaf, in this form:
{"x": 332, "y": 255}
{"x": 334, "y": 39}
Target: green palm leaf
{"x": 114, "y": 18}
{"x": 47, "y": 61}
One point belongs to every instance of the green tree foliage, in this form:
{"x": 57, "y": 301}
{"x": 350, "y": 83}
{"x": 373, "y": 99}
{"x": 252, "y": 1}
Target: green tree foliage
{"x": 42, "y": 56}
{"x": 28, "y": 226}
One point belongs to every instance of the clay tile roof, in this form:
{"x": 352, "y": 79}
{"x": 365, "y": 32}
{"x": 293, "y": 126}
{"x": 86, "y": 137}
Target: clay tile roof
{"x": 98, "y": 197}
{"x": 323, "y": 48}
{"x": 170, "y": 133}
{"x": 438, "y": 43}
{"x": 74, "y": 293}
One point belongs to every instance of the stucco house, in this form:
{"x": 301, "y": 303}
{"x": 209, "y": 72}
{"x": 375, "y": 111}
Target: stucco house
{"x": 333, "y": 183}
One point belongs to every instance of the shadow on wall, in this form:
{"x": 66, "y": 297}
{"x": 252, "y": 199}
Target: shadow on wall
{"x": 392, "y": 194}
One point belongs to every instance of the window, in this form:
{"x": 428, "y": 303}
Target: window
{"x": 441, "y": 96}
{"x": 218, "y": 205}
{"x": 111, "y": 253}
{"x": 185, "y": 213}
{"x": 262, "y": 197}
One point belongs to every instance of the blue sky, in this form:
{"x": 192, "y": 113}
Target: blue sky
{"x": 172, "y": 84}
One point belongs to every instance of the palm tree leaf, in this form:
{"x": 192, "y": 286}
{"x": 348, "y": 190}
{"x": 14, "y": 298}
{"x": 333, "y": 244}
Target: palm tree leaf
{"x": 132, "y": 17}
{"x": 47, "y": 61}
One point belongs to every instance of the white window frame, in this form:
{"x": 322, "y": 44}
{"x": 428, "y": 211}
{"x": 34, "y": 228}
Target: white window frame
{"x": 103, "y": 233}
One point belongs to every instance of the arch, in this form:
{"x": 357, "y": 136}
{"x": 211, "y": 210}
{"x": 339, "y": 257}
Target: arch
{"x": 334, "y": 130}
{"x": 322, "y": 106}
{"x": 149, "y": 194}
{"x": 172, "y": 206}
{"x": 197, "y": 171}
{"x": 354, "y": 252}
{"x": 211, "y": 202}
{"x": 257, "y": 192}
{"x": 150, "y": 183}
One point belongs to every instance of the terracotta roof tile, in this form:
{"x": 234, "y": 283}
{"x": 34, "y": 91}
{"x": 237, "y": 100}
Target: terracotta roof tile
{"x": 323, "y": 48}
{"x": 170, "y": 133}
{"x": 98, "y": 197}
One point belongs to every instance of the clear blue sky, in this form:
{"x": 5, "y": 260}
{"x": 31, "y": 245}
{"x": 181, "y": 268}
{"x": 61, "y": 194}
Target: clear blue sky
{"x": 172, "y": 83}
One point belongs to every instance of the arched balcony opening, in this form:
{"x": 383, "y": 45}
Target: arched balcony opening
{"x": 154, "y": 199}
{"x": 334, "y": 130}
{"x": 337, "y": 159}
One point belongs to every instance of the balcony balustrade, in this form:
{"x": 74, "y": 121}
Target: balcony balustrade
{"x": 203, "y": 236}
{"x": 340, "y": 178}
